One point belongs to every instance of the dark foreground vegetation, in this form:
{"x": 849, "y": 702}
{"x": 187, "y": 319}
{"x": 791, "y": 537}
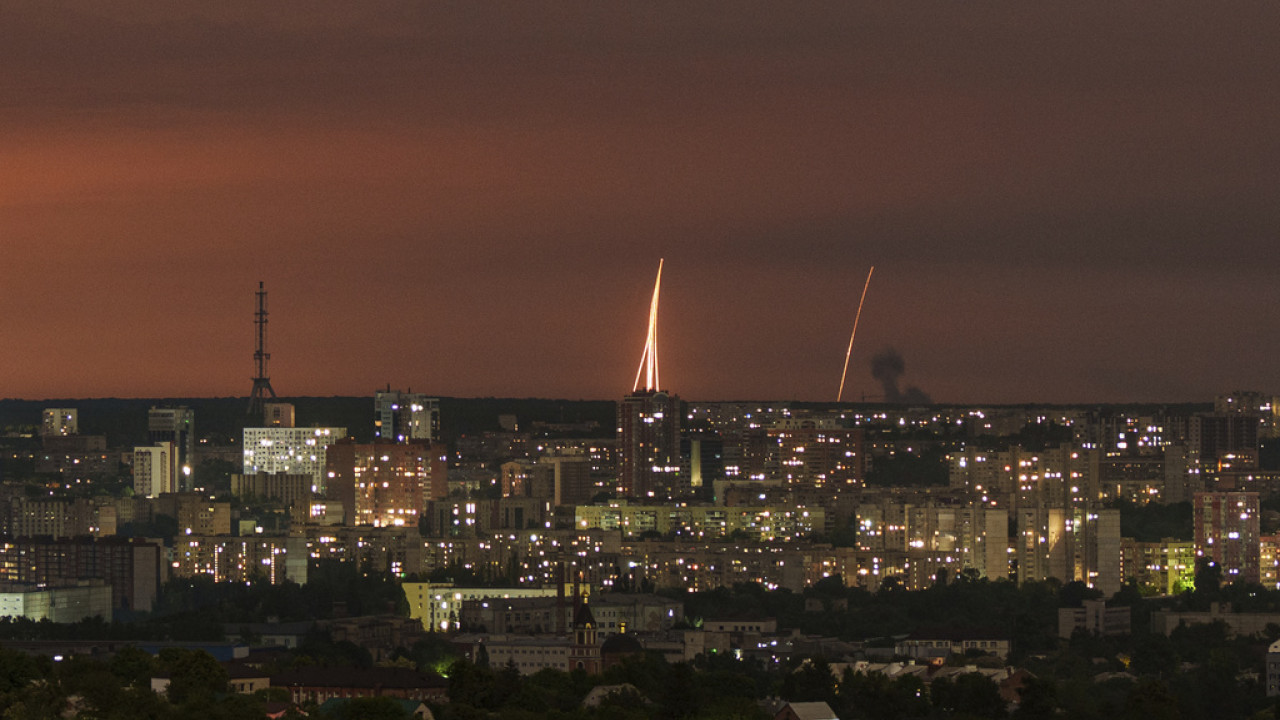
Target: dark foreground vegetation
{"x": 1196, "y": 672}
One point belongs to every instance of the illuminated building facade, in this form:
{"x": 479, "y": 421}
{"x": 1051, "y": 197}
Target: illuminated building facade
{"x": 290, "y": 450}
{"x": 439, "y": 605}
{"x": 134, "y": 569}
{"x": 175, "y": 425}
{"x": 1073, "y": 543}
{"x": 815, "y": 452}
{"x": 467, "y": 516}
{"x": 53, "y": 517}
{"x": 155, "y": 470}
{"x": 1166, "y": 567}
{"x": 562, "y": 476}
{"x": 402, "y": 417}
{"x": 913, "y": 540}
{"x": 649, "y": 446}
{"x": 384, "y": 483}
{"x": 1227, "y": 533}
{"x": 59, "y": 422}
{"x": 241, "y": 559}
{"x": 649, "y": 426}
{"x": 1224, "y": 441}
{"x": 703, "y": 521}
{"x": 1269, "y": 561}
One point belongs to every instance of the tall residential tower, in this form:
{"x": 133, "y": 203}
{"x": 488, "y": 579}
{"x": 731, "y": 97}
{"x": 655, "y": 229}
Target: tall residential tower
{"x": 649, "y": 426}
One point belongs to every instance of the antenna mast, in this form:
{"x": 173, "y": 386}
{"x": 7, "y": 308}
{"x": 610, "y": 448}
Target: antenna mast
{"x": 261, "y": 383}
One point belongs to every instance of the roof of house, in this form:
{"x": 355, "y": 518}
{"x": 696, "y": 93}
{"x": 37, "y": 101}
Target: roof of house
{"x": 600, "y": 692}
{"x": 621, "y": 644}
{"x": 240, "y": 671}
{"x": 811, "y": 710}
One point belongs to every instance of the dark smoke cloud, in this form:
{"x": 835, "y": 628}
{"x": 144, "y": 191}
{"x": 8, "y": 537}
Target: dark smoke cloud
{"x": 886, "y": 367}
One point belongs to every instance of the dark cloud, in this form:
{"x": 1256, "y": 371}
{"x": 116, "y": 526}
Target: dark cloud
{"x": 887, "y": 367}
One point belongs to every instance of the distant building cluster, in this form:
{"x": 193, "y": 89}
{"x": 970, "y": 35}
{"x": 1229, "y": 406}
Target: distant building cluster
{"x": 687, "y": 495}
{"x": 580, "y": 525}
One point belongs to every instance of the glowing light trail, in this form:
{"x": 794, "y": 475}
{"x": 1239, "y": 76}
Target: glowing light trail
{"x": 649, "y": 361}
{"x": 852, "y": 335}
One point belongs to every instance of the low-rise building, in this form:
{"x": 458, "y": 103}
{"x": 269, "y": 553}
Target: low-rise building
{"x": 64, "y": 604}
{"x": 928, "y": 644}
{"x": 1273, "y": 669}
{"x": 318, "y": 684}
{"x": 1095, "y": 618}
{"x": 635, "y": 612}
{"x": 438, "y": 606}
{"x": 1164, "y": 621}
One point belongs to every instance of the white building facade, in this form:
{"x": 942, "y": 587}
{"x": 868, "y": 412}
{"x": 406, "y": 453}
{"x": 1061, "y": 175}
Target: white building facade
{"x": 290, "y": 450}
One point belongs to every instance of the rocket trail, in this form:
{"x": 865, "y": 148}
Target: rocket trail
{"x": 847, "y": 353}
{"x": 649, "y": 360}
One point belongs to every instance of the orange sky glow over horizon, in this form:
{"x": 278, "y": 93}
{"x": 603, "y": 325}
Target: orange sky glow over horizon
{"x": 1062, "y": 204}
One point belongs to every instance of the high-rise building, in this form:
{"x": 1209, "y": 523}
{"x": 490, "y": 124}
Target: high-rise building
{"x": 59, "y": 421}
{"x": 175, "y": 425}
{"x": 292, "y": 490}
{"x": 649, "y": 426}
{"x": 289, "y": 450}
{"x": 155, "y": 470}
{"x": 402, "y": 416}
{"x": 815, "y": 452}
{"x": 702, "y": 455}
{"x": 134, "y": 569}
{"x": 1224, "y": 441}
{"x": 570, "y": 477}
{"x": 385, "y": 483}
{"x": 1227, "y": 533}
{"x": 649, "y": 446}
{"x": 278, "y": 414}
{"x": 1070, "y": 543}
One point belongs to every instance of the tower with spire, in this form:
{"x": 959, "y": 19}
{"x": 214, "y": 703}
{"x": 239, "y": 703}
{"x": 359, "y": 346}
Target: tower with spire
{"x": 262, "y": 390}
{"x": 649, "y": 426}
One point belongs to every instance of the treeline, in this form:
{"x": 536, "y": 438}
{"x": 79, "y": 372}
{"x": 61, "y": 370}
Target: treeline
{"x": 197, "y": 609}
{"x": 331, "y": 586}
{"x": 1027, "y": 614}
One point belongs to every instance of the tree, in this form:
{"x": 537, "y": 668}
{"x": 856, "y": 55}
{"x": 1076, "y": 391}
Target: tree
{"x": 1150, "y": 699}
{"x": 470, "y": 684}
{"x": 99, "y": 688}
{"x": 1037, "y": 699}
{"x": 1208, "y": 580}
{"x": 969, "y": 694}
{"x": 1074, "y": 593}
{"x": 17, "y": 669}
{"x": 681, "y": 698}
{"x": 193, "y": 675}
{"x": 875, "y": 696}
{"x": 810, "y": 682}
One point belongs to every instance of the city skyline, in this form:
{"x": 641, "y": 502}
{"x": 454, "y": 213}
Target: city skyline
{"x": 1063, "y": 205}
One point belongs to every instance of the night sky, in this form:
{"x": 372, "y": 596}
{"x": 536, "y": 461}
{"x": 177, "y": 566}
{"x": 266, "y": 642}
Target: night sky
{"x": 1064, "y": 202}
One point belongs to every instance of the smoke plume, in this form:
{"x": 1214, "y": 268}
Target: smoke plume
{"x": 887, "y": 367}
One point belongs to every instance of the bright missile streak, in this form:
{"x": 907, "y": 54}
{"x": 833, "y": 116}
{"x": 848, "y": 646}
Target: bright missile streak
{"x": 852, "y": 335}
